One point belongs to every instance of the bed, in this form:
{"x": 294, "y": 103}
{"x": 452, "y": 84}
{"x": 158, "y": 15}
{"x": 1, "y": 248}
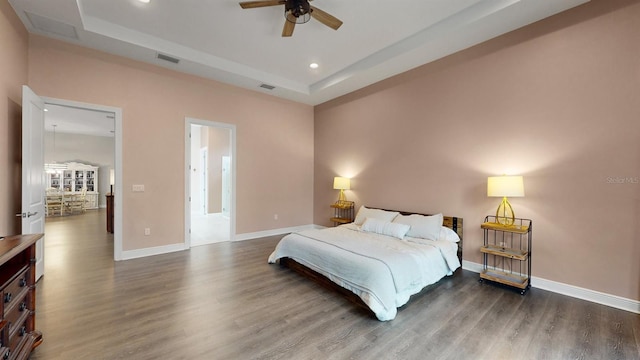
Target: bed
{"x": 380, "y": 260}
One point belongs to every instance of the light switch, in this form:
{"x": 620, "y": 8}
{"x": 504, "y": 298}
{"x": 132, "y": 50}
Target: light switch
{"x": 138, "y": 188}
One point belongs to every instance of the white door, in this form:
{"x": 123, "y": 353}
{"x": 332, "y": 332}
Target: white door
{"x": 194, "y": 190}
{"x": 226, "y": 185}
{"x": 204, "y": 181}
{"x": 33, "y": 171}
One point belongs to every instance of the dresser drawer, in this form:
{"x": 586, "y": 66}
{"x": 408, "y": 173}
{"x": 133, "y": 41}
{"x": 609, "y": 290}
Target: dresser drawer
{"x": 16, "y": 311}
{"x": 18, "y": 333}
{"x": 15, "y": 289}
{"x": 18, "y": 336}
{"x": 4, "y": 329}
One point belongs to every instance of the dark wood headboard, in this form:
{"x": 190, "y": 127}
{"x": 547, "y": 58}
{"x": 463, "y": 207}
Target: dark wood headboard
{"x": 452, "y": 222}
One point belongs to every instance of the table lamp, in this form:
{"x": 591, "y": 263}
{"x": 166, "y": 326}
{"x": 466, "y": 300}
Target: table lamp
{"x": 112, "y": 179}
{"x": 342, "y": 184}
{"x": 503, "y": 186}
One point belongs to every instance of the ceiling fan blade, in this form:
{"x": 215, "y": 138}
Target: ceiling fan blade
{"x": 325, "y": 18}
{"x": 289, "y": 25}
{"x": 257, "y": 4}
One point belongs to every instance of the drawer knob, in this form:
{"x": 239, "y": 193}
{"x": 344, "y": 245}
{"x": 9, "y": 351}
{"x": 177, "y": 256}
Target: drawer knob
{"x": 23, "y": 330}
{"x": 23, "y": 282}
{"x": 6, "y": 355}
{"x": 7, "y": 297}
{"x": 22, "y": 307}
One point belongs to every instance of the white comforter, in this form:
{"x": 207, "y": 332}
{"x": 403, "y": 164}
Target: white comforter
{"x": 383, "y": 271}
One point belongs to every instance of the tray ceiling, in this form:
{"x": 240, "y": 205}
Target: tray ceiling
{"x": 221, "y": 41}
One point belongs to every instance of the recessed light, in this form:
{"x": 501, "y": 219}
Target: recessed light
{"x": 313, "y": 65}
{"x": 144, "y": 1}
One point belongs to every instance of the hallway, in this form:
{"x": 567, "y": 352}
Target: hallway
{"x": 209, "y": 229}
{"x": 77, "y": 243}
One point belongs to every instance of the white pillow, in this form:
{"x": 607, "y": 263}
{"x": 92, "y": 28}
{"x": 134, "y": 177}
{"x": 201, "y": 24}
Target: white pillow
{"x": 448, "y": 235}
{"x": 385, "y": 228}
{"x": 423, "y": 227}
{"x": 364, "y": 213}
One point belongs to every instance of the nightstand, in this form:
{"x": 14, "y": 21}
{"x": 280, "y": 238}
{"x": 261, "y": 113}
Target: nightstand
{"x": 343, "y": 212}
{"x": 506, "y": 253}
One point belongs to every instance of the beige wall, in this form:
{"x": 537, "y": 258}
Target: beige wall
{"x": 13, "y": 74}
{"x": 557, "y": 102}
{"x": 274, "y": 138}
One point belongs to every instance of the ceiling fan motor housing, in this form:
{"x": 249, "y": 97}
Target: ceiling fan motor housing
{"x": 297, "y": 8}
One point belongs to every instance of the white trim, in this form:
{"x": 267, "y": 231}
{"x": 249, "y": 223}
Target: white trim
{"x": 187, "y": 183}
{"x": 273, "y": 232}
{"x": 166, "y": 249}
{"x": 117, "y": 187}
{"x": 158, "y": 250}
{"x": 471, "y": 266}
{"x": 587, "y": 294}
{"x": 597, "y": 297}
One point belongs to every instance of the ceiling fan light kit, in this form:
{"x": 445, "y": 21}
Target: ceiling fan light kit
{"x": 296, "y": 12}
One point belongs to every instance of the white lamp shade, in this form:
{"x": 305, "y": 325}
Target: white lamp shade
{"x": 341, "y": 183}
{"x": 500, "y": 186}
{"x": 112, "y": 177}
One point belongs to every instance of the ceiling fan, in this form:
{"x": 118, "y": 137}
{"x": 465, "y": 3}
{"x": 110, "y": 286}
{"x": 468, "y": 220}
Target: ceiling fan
{"x": 296, "y": 12}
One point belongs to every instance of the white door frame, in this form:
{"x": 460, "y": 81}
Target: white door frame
{"x": 117, "y": 187}
{"x": 187, "y": 171}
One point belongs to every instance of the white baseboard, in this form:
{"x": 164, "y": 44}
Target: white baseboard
{"x": 272, "y": 232}
{"x": 471, "y": 266}
{"x": 158, "y": 250}
{"x": 573, "y": 291}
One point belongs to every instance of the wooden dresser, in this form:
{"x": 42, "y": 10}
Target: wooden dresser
{"x": 18, "y": 336}
{"x": 110, "y": 213}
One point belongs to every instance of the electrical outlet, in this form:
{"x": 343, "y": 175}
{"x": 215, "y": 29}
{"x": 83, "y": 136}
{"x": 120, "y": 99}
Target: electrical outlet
{"x": 275, "y": 216}
{"x": 147, "y": 231}
{"x": 137, "y": 188}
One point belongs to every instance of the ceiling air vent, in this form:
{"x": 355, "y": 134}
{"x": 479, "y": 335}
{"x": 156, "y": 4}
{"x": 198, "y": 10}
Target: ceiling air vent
{"x": 168, "y": 58}
{"x": 51, "y": 26}
{"x": 268, "y": 87}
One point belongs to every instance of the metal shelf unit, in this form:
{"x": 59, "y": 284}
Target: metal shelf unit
{"x": 506, "y": 253}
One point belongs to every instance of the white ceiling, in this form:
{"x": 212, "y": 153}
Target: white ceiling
{"x": 217, "y": 39}
{"x": 72, "y": 120}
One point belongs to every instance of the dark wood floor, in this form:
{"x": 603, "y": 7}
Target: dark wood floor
{"x": 225, "y": 302}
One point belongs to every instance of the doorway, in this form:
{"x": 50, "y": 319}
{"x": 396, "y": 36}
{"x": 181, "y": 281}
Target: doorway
{"x": 79, "y": 158}
{"x": 105, "y": 183}
{"x": 210, "y": 182}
